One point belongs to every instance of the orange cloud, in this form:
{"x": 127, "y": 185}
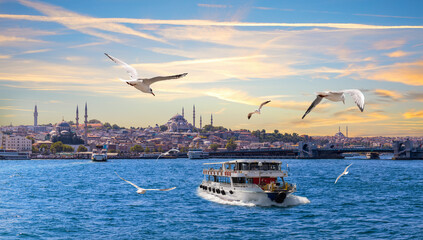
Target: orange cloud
{"x": 413, "y": 114}
{"x": 407, "y": 73}
{"x": 396, "y": 54}
{"x": 387, "y": 93}
{"x": 388, "y": 44}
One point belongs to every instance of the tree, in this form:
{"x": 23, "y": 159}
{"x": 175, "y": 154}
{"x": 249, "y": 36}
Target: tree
{"x": 147, "y": 150}
{"x": 112, "y": 151}
{"x": 44, "y": 148}
{"x": 67, "y": 148}
{"x": 160, "y": 149}
{"x": 163, "y": 128}
{"x": 31, "y": 138}
{"x": 214, "y": 146}
{"x": 107, "y": 125}
{"x": 56, "y": 147}
{"x": 115, "y": 127}
{"x": 35, "y": 149}
{"x": 231, "y": 145}
{"x": 82, "y": 148}
{"x": 137, "y": 148}
{"x": 94, "y": 121}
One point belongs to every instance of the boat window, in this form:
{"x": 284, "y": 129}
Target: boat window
{"x": 274, "y": 166}
{"x": 265, "y": 166}
{"x": 238, "y": 180}
{"x": 245, "y": 166}
{"x": 254, "y": 166}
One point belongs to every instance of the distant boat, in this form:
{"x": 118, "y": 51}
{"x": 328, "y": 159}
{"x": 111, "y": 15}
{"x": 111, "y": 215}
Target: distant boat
{"x": 13, "y": 155}
{"x": 197, "y": 154}
{"x": 99, "y": 157}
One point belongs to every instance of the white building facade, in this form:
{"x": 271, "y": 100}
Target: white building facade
{"x": 18, "y": 143}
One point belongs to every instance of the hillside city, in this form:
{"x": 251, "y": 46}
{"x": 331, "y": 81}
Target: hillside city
{"x": 177, "y": 133}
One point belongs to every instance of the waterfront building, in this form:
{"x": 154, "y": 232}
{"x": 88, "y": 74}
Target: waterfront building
{"x": 18, "y": 143}
{"x": 1, "y": 140}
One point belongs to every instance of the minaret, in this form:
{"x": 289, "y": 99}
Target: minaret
{"x": 86, "y": 125}
{"x": 339, "y": 128}
{"x": 77, "y": 118}
{"x": 347, "y": 132}
{"x": 193, "y": 115}
{"x": 183, "y": 112}
{"x": 211, "y": 119}
{"x": 35, "y": 116}
{"x": 201, "y": 122}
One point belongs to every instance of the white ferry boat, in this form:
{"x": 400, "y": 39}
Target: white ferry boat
{"x": 99, "y": 157}
{"x": 13, "y": 155}
{"x": 197, "y": 154}
{"x": 247, "y": 180}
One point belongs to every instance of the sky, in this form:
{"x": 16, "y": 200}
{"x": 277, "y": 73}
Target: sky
{"x": 237, "y": 54}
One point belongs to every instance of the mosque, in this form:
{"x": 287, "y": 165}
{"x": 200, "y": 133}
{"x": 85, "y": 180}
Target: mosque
{"x": 63, "y": 131}
{"x": 178, "y": 123}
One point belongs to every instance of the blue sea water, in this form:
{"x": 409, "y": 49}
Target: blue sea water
{"x": 79, "y": 199}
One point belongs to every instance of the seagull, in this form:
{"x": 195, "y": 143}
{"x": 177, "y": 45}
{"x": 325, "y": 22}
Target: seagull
{"x": 143, "y": 190}
{"x": 142, "y": 84}
{"x": 168, "y": 152}
{"x": 337, "y": 96}
{"x": 342, "y": 174}
{"x": 258, "y": 110}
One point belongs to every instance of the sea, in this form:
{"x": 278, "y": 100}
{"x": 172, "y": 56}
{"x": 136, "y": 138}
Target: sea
{"x": 80, "y": 199}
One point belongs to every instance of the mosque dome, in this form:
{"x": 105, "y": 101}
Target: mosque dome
{"x": 64, "y": 124}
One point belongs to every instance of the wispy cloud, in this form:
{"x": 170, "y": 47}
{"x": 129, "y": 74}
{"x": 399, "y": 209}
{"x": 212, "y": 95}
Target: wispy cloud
{"x": 82, "y": 23}
{"x": 415, "y": 96}
{"x": 413, "y": 114}
{"x": 392, "y": 95}
{"x": 213, "y": 5}
{"x": 389, "y": 44}
{"x": 385, "y": 16}
{"x": 77, "y": 21}
{"x": 406, "y": 73}
{"x": 13, "y": 108}
{"x": 88, "y": 44}
{"x": 397, "y": 54}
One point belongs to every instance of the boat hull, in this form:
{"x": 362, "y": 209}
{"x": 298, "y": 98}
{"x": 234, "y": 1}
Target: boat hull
{"x": 246, "y": 194}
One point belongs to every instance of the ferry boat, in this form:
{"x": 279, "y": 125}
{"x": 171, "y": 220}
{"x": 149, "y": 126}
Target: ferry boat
{"x": 247, "y": 180}
{"x": 99, "y": 156}
{"x": 197, "y": 154}
{"x": 13, "y": 155}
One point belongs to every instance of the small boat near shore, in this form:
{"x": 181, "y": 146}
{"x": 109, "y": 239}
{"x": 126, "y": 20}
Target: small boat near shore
{"x": 99, "y": 157}
{"x": 13, "y": 155}
{"x": 197, "y": 154}
{"x": 247, "y": 180}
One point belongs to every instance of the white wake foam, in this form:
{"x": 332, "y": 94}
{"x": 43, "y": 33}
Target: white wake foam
{"x": 291, "y": 200}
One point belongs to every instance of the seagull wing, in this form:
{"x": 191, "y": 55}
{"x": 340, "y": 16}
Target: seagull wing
{"x": 338, "y": 177}
{"x": 130, "y": 70}
{"x": 264, "y": 103}
{"x": 150, "y": 81}
{"x": 358, "y": 97}
{"x": 347, "y": 168}
{"x": 166, "y": 189}
{"x": 128, "y": 181}
{"x": 313, "y": 104}
{"x": 251, "y": 114}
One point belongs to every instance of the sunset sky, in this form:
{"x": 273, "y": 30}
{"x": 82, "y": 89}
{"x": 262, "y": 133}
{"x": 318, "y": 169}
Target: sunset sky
{"x": 237, "y": 54}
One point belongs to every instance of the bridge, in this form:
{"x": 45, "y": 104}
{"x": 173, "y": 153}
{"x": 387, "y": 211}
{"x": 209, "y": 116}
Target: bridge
{"x": 308, "y": 150}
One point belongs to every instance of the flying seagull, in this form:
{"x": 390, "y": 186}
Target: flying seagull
{"x": 142, "y": 84}
{"x": 143, "y": 190}
{"x": 337, "y": 96}
{"x": 342, "y": 174}
{"x": 168, "y": 152}
{"x": 258, "y": 110}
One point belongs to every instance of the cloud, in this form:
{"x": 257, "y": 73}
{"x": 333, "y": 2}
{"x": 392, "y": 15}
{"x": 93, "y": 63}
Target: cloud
{"x": 416, "y": 96}
{"x": 13, "y": 108}
{"x": 385, "y": 16}
{"x": 407, "y": 73}
{"x": 89, "y": 44}
{"x": 82, "y": 23}
{"x": 397, "y": 54}
{"x": 220, "y": 111}
{"x": 413, "y": 114}
{"x": 392, "y": 95}
{"x": 12, "y": 39}
{"x": 389, "y": 44}
{"x": 213, "y": 5}
{"x": 5, "y": 56}
{"x": 76, "y": 21}
{"x": 35, "y": 51}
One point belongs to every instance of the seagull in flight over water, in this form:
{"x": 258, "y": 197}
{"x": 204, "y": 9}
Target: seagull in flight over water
{"x": 143, "y": 190}
{"x": 342, "y": 174}
{"x": 337, "y": 96}
{"x": 168, "y": 152}
{"x": 258, "y": 110}
{"x": 142, "y": 84}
